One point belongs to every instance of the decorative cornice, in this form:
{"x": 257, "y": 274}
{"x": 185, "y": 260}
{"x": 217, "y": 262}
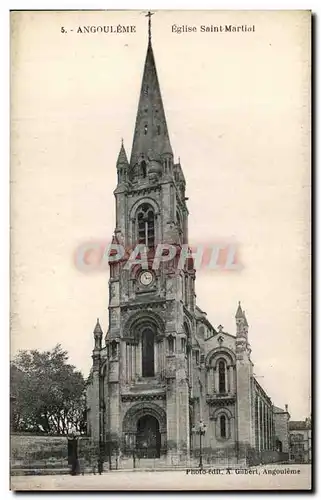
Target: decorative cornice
{"x": 144, "y": 190}
{"x": 129, "y": 398}
{"x": 216, "y": 400}
{"x": 159, "y": 304}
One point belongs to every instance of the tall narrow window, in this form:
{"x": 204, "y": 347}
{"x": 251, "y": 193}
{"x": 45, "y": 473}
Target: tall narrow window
{"x": 146, "y": 225}
{"x": 179, "y": 225}
{"x": 186, "y": 290}
{"x": 148, "y": 369}
{"x": 158, "y": 130}
{"x": 223, "y": 432}
{"x": 221, "y": 377}
{"x": 178, "y": 220}
{"x": 143, "y": 168}
{"x": 113, "y": 349}
{"x": 145, "y": 129}
{"x": 170, "y": 344}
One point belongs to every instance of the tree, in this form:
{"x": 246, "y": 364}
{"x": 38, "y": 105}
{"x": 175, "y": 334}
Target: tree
{"x": 47, "y": 393}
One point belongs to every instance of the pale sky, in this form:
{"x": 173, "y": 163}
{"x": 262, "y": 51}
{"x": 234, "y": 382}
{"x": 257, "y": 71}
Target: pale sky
{"x": 237, "y": 108}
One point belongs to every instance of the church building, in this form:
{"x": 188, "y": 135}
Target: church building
{"x": 162, "y": 375}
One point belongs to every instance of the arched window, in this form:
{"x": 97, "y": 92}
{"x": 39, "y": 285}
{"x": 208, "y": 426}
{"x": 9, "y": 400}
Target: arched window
{"x": 143, "y": 168}
{"x": 170, "y": 340}
{"x": 113, "y": 349}
{"x": 148, "y": 365}
{"x": 146, "y": 225}
{"x": 223, "y": 429}
{"x": 179, "y": 225}
{"x": 178, "y": 220}
{"x": 221, "y": 377}
{"x": 158, "y": 130}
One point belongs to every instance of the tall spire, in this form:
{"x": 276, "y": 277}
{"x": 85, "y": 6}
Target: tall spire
{"x": 151, "y": 138}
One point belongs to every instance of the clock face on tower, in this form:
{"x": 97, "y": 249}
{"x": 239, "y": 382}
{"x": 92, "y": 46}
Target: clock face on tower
{"x": 146, "y": 278}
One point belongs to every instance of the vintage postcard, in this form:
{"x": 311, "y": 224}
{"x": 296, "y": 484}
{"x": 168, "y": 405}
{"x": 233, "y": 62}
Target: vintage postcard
{"x": 160, "y": 250}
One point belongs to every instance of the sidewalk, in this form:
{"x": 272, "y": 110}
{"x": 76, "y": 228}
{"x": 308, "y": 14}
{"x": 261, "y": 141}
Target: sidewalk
{"x": 174, "y": 480}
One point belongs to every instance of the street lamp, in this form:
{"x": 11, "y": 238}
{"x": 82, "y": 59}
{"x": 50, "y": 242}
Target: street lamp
{"x": 200, "y": 429}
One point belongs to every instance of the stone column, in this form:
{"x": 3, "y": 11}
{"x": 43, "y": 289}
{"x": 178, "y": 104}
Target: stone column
{"x": 259, "y": 422}
{"x": 133, "y": 362}
{"x": 232, "y": 428}
{"x": 271, "y": 429}
{"x": 115, "y": 376}
{"x": 177, "y": 409}
{"x": 156, "y": 362}
{"x": 139, "y": 358}
{"x": 231, "y": 379}
{"x": 126, "y": 361}
{"x": 266, "y": 427}
{"x": 215, "y": 373}
{"x": 130, "y": 361}
{"x": 262, "y": 425}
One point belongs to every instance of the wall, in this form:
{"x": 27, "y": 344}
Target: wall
{"x": 266, "y": 457}
{"x": 27, "y": 449}
{"x": 281, "y": 422}
{"x": 296, "y": 453}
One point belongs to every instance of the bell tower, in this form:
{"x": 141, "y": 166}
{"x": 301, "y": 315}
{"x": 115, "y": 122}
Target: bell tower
{"x": 151, "y": 303}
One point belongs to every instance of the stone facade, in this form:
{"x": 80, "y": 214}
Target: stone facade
{"x": 163, "y": 367}
{"x": 300, "y": 441}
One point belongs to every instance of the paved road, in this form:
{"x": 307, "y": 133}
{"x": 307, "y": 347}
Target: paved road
{"x": 263, "y": 477}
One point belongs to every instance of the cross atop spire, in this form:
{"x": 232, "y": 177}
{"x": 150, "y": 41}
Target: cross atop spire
{"x": 149, "y": 15}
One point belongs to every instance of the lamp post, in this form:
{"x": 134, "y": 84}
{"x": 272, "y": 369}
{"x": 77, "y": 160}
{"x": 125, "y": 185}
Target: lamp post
{"x": 200, "y": 430}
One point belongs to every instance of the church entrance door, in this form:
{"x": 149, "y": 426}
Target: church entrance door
{"x": 148, "y": 438}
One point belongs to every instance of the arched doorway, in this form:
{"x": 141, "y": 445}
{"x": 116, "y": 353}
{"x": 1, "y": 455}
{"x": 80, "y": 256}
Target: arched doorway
{"x": 148, "y": 437}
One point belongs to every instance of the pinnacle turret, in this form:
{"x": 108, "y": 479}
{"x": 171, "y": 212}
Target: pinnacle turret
{"x": 97, "y": 337}
{"x": 122, "y": 157}
{"x": 98, "y": 329}
{"x": 239, "y": 312}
